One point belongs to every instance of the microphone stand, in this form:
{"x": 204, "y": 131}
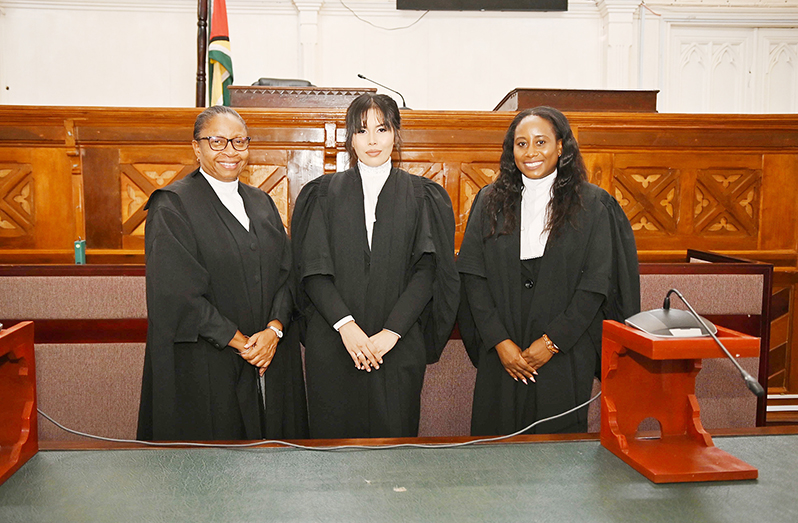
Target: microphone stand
{"x": 404, "y": 105}
{"x": 750, "y": 382}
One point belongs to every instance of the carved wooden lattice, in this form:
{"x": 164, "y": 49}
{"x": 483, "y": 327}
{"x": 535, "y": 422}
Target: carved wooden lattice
{"x": 17, "y": 216}
{"x": 272, "y": 180}
{"x": 727, "y": 202}
{"x": 650, "y": 198}
{"x": 431, "y": 170}
{"x": 473, "y": 177}
{"x": 139, "y": 180}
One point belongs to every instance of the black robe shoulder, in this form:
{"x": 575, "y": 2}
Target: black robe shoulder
{"x": 199, "y": 292}
{"x": 420, "y": 204}
{"x": 378, "y": 285}
{"x": 596, "y": 257}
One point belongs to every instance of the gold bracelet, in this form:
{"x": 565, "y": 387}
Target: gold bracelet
{"x": 550, "y": 345}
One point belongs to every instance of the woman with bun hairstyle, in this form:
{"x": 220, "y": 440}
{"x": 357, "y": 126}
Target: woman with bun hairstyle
{"x": 221, "y": 361}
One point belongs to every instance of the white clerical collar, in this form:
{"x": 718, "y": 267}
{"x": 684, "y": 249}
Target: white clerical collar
{"x": 368, "y": 171}
{"x": 534, "y": 205}
{"x": 372, "y": 179}
{"x": 219, "y": 185}
{"x": 227, "y": 192}
{"x": 538, "y": 185}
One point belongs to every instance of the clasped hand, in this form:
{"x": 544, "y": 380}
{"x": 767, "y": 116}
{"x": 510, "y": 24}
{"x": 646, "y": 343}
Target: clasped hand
{"x": 366, "y": 352}
{"x": 523, "y": 365}
{"x": 258, "y": 349}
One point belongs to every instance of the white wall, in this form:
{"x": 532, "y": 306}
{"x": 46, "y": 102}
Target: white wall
{"x": 464, "y": 60}
{"x": 735, "y": 59}
{"x": 62, "y": 53}
{"x": 128, "y": 53}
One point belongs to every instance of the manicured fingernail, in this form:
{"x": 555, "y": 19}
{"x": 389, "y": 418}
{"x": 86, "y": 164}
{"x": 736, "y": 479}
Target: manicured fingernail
{"x": 524, "y": 380}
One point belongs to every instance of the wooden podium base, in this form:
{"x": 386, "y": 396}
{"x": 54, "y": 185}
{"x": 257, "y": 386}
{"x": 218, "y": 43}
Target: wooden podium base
{"x": 18, "y": 421}
{"x": 679, "y": 459}
{"x": 645, "y": 376}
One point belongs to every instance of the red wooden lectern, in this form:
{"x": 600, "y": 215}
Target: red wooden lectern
{"x": 645, "y": 376}
{"x": 19, "y": 439}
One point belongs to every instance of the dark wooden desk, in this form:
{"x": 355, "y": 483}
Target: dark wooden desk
{"x": 585, "y": 100}
{"x": 290, "y": 97}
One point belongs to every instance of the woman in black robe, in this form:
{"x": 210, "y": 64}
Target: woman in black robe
{"x": 545, "y": 258}
{"x": 220, "y": 361}
{"x": 374, "y": 252}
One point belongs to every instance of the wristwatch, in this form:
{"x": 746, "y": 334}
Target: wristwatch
{"x": 277, "y": 331}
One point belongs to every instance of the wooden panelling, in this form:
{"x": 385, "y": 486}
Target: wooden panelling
{"x": 35, "y": 197}
{"x": 685, "y": 181}
{"x": 725, "y": 183}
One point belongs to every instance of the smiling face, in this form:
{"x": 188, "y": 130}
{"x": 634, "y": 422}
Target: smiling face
{"x": 373, "y": 143}
{"x": 536, "y": 148}
{"x": 227, "y": 164}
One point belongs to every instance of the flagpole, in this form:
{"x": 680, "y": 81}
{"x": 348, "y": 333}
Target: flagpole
{"x": 202, "y": 50}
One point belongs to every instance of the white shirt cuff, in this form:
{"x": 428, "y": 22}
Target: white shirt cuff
{"x": 343, "y": 321}
{"x": 397, "y": 334}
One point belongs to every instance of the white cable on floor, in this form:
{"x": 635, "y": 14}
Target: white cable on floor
{"x": 333, "y": 448}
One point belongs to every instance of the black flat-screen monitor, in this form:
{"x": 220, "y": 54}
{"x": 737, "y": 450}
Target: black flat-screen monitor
{"x": 483, "y": 5}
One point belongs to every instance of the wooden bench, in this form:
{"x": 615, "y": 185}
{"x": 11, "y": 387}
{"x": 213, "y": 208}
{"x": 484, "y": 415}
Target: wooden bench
{"x": 90, "y": 330}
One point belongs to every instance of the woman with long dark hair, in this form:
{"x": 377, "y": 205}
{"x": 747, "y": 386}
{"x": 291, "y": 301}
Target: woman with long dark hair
{"x": 546, "y": 257}
{"x": 374, "y": 253}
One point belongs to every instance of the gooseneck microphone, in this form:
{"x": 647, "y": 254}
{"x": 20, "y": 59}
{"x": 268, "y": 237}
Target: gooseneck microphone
{"x": 404, "y": 105}
{"x": 750, "y": 382}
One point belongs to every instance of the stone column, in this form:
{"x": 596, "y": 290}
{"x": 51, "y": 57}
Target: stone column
{"x": 308, "y": 37}
{"x": 619, "y": 48}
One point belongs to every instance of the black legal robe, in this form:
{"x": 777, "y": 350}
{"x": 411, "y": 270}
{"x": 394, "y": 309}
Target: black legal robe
{"x": 206, "y": 277}
{"x": 588, "y": 273}
{"x": 406, "y": 282}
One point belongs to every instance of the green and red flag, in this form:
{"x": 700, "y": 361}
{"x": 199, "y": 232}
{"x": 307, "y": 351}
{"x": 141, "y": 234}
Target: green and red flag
{"x": 220, "y": 59}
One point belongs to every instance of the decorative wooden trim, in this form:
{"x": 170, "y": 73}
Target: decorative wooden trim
{"x": 128, "y": 330}
{"x": 702, "y": 268}
{"x": 71, "y": 270}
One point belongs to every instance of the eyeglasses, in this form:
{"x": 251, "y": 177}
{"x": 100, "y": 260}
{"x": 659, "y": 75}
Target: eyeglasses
{"x": 219, "y": 143}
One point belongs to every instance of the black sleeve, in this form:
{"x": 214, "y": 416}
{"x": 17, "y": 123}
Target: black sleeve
{"x": 592, "y": 289}
{"x": 326, "y": 298}
{"x": 440, "y": 312}
{"x": 282, "y": 306}
{"x": 483, "y": 309}
{"x": 283, "y": 301}
{"x": 176, "y": 281}
{"x": 414, "y": 298}
{"x": 566, "y": 328}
